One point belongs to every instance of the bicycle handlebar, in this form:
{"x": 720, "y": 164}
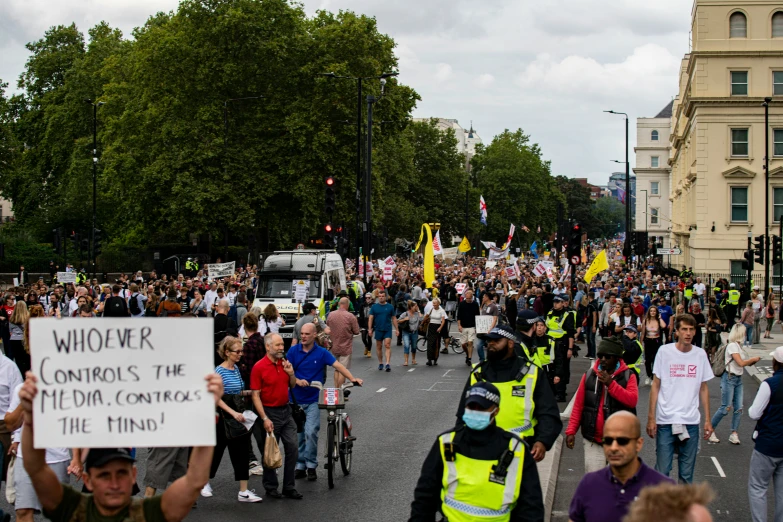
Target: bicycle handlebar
{"x": 346, "y": 385}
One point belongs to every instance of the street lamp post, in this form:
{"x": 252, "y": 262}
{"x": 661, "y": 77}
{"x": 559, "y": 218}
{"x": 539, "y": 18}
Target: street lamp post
{"x": 767, "y": 260}
{"x": 627, "y": 246}
{"x": 91, "y": 255}
{"x": 359, "y": 101}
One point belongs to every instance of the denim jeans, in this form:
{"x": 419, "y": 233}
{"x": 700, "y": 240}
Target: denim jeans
{"x": 590, "y": 335}
{"x": 409, "y": 341}
{"x": 764, "y": 471}
{"x": 308, "y": 440}
{"x": 666, "y": 443}
{"x": 730, "y": 395}
{"x": 756, "y": 329}
{"x": 478, "y": 344}
{"x": 748, "y": 333}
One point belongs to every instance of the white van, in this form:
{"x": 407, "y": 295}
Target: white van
{"x": 322, "y": 270}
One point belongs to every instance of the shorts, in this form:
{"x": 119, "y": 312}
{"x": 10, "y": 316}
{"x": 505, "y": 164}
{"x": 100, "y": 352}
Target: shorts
{"x": 380, "y": 335}
{"x": 345, "y": 360}
{"x": 25, "y": 493}
{"x": 468, "y": 335}
{"x": 165, "y": 465}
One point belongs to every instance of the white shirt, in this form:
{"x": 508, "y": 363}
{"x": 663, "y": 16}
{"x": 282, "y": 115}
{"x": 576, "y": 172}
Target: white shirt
{"x": 733, "y": 367}
{"x": 210, "y": 297}
{"x": 274, "y": 326}
{"x": 232, "y": 298}
{"x": 761, "y": 401}
{"x": 10, "y": 378}
{"x": 681, "y": 375}
{"x": 699, "y": 288}
{"x": 52, "y": 454}
{"x": 436, "y": 316}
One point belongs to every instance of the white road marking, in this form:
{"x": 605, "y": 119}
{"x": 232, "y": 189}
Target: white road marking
{"x": 717, "y": 466}
{"x": 447, "y": 373}
{"x": 384, "y": 389}
{"x": 411, "y": 370}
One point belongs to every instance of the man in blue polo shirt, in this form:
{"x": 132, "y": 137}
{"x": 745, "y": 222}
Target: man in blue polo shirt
{"x": 607, "y": 494}
{"x": 309, "y": 362}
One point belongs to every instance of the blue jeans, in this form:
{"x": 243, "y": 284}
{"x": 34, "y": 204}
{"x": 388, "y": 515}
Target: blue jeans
{"x": 409, "y": 340}
{"x": 748, "y": 334}
{"x": 730, "y": 394}
{"x": 667, "y": 443}
{"x": 308, "y": 440}
{"x": 478, "y": 344}
{"x": 590, "y": 335}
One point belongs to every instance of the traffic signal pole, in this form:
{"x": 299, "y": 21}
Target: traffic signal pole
{"x": 750, "y": 259}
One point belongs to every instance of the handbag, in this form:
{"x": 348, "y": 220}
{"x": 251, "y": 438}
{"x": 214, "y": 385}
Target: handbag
{"x": 272, "y": 457}
{"x": 233, "y": 428}
{"x": 424, "y": 325}
{"x": 10, "y": 488}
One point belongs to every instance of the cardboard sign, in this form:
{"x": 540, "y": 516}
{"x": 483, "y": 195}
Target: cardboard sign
{"x": 485, "y": 323}
{"x": 460, "y": 287}
{"x": 510, "y": 272}
{"x": 389, "y": 261}
{"x": 300, "y": 288}
{"x": 217, "y": 270}
{"x": 490, "y": 264}
{"x": 114, "y": 382}
{"x": 539, "y": 269}
{"x": 388, "y": 271}
{"x": 66, "y": 277}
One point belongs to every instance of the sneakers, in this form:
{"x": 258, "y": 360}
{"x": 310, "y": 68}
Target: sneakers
{"x": 388, "y": 367}
{"x": 367, "y": 353}
{"x": 249, "y": 495}
{"x": 713, "y": 438}
{"x": 206, "y": 491}
{"x": 380, "y": 367}
{"x": 734, "y": 438}
{"x": 253, "y": 464}
{"x": 257, "y": 470}
{"x": 300, "y": 474}
{"x": 647, "y": 383}
{"x": 293, "y": 494}
{"x": 468, "y": 361}
{"x": 311, "y": 474}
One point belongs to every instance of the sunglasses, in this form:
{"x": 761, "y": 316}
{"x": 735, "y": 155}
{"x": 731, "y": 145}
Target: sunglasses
{"x": 237, "y": 351}
{"x": 621, "y": 441}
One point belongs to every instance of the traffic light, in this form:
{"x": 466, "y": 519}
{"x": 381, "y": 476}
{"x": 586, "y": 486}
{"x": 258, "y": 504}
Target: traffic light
{"x": 329, "y": 197}
{"x": 97, "y": 238}
{"x": 575, "y": 242}
{"x": 758, "y": 246}
{"x": 328, "y": 235}
{"x": 85, "y": 244}
{"x": 777, "y": 250}
{"x": 748, "y": 263}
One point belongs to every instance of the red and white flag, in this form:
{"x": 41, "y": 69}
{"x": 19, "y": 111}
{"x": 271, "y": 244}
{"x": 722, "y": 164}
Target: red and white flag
{"x": 437, "y": 249}
{"x": 510, "y": 234}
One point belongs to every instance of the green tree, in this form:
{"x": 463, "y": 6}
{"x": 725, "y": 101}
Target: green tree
{"x": 608, "y": 218}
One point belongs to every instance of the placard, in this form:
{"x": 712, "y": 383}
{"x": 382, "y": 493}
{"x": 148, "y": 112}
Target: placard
{"x": 389, "y": 261}
{"x": 299, "y": 289}
{"x": 510, "y": 272}
{"x": 221, "y": 269}
{"x": 485, "y": 323}
{"x": 460, "y": 287}
{"x": 66, "y": 277}
{"x": 490, "y": 264}
{"x": 16, "y": 281}
{"x": 114, "y": 382}
{"x": 388, "y": 272}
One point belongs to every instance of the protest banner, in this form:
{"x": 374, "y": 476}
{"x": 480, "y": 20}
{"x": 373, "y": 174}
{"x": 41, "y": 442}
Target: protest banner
{"x": 112, "y": 382}
{"x": 221, "y": 269}
{"x": 460, "y": 287}
{"x": 16, "y": 281}
{"x": 388, "y": 272}
{"x": 389, "y": 261}
{"x": 540, "y": 269}
{"x": 66, "y": 277}
{"x": 510, "y": 272}
{"x": 490, "y": 264}
{"x": 485, "y": 323}
{"x": 300, "y": 288}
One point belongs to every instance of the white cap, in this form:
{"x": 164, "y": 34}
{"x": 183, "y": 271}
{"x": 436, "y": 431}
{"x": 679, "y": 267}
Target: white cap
{"x": 778, "y": 354}
{"x": 732, "y": 285}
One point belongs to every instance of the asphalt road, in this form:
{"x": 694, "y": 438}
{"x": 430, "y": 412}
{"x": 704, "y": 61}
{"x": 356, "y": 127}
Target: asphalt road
{"x": 724, "y": 466}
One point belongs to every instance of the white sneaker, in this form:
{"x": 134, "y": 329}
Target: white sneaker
{"x": 734, "y": 438}
{"x": 714, "y": 438}
{"x": 206, "y": 491}
{"x": 646, "y": 381}
{"x": 249, "y": 496}
{"x": 257, "y": 470}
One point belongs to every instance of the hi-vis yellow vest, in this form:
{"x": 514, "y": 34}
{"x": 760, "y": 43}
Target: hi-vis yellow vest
{"x": 516, "y": 396}
{"x": 734, "y": 296}
{"x": 472, "y": 490}
{"x": 637, "y": 365}
{"x": 546, "y": 353}
{"x": 556, "y": 328}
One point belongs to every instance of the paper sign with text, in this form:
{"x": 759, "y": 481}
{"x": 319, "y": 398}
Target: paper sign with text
{"x": 389, "y": 261}
{"x": 221, "y": 269}
{"x": 299, "y": 289}
{"x": 510, "y": 272}
{"x": 460, "y": 287}
{"x": 66, "y": 277}
{"x": 485, "y": 323}
{"x": 115, "y": 382}
{"x": 388, "y": 272}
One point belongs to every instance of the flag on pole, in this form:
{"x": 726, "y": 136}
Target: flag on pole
{"x": 510, "y": 235}
{"x": 437, "y": 249}
{"x": 524, "y": 228}
{"x": 599, "y": 264}
{"x": 465, "y": 245}
{"x": 534, "y": 249}
{"x": 483, "y": 210}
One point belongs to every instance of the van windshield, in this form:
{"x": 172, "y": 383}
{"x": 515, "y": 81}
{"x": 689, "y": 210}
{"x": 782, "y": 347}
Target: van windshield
{"x": 280, "y": 287}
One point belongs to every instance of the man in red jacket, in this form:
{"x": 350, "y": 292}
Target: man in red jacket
{"x": 608, "y": 387}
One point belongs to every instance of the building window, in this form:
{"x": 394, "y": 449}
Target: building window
{"x": 739, "y": 142}
{"x": 653, "y": 216}
{"x": 777, "y": 149}
{"x": 654, "y": 188}
{"x": 654, "y": 135}
{"x": 777, "y": 203}
{"x": 739, "y": 83}
{"x": 777, "y": 25}
{"x": 738, "y": 26}
{"x": 777, "y": 83}
{"x": 654, "y": 161}
{"x": 739, "y": 204}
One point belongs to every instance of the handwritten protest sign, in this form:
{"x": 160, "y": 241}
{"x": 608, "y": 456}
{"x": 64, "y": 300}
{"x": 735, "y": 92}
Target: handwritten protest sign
{"x": 66, "y": 277}
{"x": 490, "y": 264}
{"x": 300, "y": 288}
{"x": 485, "y": 323}
{"x": 221, "y": 269}
{"x": 460, "y": 287}
{"x": 510, "y": 272}
{"x": 388, "y": 272}
{"x": 122, "y": 382}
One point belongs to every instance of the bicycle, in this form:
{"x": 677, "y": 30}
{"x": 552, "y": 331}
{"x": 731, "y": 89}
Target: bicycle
{"x": 455, "y": 342}
{"x": 339, "y": 441}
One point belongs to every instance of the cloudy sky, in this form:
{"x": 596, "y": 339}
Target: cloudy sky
{"x": 550, "y": 66}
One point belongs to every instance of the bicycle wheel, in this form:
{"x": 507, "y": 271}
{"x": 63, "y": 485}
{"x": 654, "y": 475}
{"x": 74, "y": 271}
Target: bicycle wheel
{"x": 421, "y": 345}
{"x": 346, "y": 452}
{"x": 331, "y": 459}
{"x": 456, "y": 345}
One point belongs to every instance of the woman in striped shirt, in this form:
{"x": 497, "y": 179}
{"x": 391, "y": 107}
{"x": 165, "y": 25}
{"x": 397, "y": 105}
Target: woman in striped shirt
{"x": 230, "y": 350}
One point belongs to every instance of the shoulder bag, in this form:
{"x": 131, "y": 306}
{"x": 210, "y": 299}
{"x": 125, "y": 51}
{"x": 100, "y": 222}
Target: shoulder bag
{"x": 234, "y": 428}
{"x": 424, "y": 324}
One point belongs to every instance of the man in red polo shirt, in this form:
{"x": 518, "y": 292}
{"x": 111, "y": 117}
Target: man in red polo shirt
{"x": 272, "y": 377}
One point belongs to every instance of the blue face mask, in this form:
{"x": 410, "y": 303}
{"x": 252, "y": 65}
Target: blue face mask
{"x": 477, "y": 420}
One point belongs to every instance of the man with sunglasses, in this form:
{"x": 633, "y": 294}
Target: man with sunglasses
{"x": 606, "y": 388}
{"x": 607, "y": 494}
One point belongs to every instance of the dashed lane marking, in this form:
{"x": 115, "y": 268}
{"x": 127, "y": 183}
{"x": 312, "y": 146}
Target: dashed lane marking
{"x": 718, "y": 467}
{"x": 412, "y": 369}
{"x": 381, "y": 390}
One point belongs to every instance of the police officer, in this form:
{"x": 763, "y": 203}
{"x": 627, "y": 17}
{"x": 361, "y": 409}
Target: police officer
{"x": 633, "y": 351}
{"x": 531, "y": 411}
{"x": 81, "y": 277}
{"x": 487, "y": 470}
{"x": 545, "y": 346}
{"x": 562, "y": 329}
{"x": 189, "y": 268}
{"x": 731, "y": 304}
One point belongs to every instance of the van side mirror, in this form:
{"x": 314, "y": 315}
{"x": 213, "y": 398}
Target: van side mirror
{"x": 330, "y": 294}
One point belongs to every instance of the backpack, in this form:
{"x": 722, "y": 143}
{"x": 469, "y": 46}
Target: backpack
{"x": 115, "y": 307}
{"x": 134, "y": 304}
{"x": 232, "y": 313}
{"x": 719, "y": 361}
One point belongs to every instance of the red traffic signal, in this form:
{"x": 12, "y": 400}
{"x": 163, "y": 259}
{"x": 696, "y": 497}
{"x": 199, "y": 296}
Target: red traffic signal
{"x": 329, "y": 180}
{"x": 328, "y": 228}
